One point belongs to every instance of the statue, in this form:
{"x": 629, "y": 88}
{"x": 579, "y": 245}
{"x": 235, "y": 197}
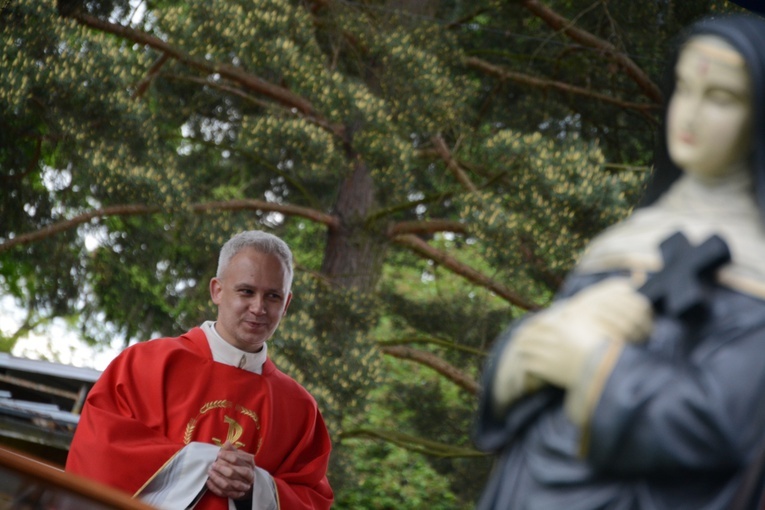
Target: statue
{"x": 643, "y": 384}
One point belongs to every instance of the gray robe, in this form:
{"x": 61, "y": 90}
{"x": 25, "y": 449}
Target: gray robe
{"x": 678, "y": 419}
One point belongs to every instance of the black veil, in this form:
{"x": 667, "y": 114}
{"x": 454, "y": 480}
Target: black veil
{"x": 746, "y": 33}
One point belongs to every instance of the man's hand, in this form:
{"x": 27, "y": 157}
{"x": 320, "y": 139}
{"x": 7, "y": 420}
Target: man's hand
{"x": 232, "y": 474}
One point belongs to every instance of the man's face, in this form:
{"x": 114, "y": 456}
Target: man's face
{"x": 709, "y": 117}
{"x": 252, "y": 297}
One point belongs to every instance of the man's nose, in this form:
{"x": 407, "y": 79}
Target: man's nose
{"x": 257, "y": 304}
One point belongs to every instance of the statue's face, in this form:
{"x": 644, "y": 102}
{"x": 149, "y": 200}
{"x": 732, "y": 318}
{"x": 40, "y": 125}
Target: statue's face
{"x": 709, "y": 117}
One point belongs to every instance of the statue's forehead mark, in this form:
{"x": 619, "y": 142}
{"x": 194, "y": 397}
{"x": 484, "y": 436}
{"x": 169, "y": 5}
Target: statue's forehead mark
{"x": 702, "y": 66}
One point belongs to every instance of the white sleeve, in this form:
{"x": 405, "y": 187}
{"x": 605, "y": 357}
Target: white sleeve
{"x": 263, "y": 491}
{"x": 180, "y": 483}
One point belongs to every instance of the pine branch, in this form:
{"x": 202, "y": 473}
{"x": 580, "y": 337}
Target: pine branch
{"x": 445, "y": 154}
{"x": 506, "y": 74}
{"x": 434, "y": 198}
{"x": 430, "y": 340}
{"x": 143, "y": 85}
{"x": 26, "y": 327}
{"x": 141, "y": 209}
{"x": 430, "y": 360}
{"x": 413, "y": 443}
{"x": 247, "y": 80}
{"x": 426, "y": 227}
{"x": 425, "y": 250}
{"x": 565, "y": 26}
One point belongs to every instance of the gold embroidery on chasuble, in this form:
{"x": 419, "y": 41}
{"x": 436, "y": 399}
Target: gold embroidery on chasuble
{"x": 237, "y": 419}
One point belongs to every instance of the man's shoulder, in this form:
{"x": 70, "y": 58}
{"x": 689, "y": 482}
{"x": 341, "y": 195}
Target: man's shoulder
{"x": 163, "y": 347}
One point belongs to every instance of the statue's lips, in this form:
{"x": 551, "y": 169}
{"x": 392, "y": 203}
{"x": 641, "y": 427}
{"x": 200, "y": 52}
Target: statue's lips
{"x": 686, "y": 138}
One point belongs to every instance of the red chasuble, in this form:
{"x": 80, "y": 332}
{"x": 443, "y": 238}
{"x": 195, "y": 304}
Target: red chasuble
{"x": 158, "y": 396}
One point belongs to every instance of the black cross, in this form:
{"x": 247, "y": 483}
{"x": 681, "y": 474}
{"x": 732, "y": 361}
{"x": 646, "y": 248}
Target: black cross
{"x": 678, "y": 289}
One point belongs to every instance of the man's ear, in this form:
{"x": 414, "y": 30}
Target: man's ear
{"x": 287, "y": 304}
{"x": 215, "y": 290}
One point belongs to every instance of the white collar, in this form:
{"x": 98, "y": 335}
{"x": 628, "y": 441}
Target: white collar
{"x": 698, "y": 209}
{"x": 224, "y": 352}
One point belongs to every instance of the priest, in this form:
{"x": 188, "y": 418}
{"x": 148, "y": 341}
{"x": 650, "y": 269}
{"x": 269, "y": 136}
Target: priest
{"x": 206, "y": 420}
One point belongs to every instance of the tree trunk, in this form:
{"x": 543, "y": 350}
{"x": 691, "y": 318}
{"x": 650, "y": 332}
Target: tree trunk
{"x": 354, "y": 254}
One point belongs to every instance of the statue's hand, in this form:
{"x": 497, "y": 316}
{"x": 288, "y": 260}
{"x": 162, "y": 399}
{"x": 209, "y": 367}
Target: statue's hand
{"x": 511, "y": 379}
{"x": 554, "y": 345}
{"x": 615, "y": 306}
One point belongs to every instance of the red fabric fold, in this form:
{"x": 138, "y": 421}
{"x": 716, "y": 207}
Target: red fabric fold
{"x": 158, "y": 396}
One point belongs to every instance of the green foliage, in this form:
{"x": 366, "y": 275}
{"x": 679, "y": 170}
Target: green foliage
{"x": 551, "y": 197}
{"x": 340, "y": 363}
{"x": 419, "y": 159}
{"x": 389, "y": 477}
